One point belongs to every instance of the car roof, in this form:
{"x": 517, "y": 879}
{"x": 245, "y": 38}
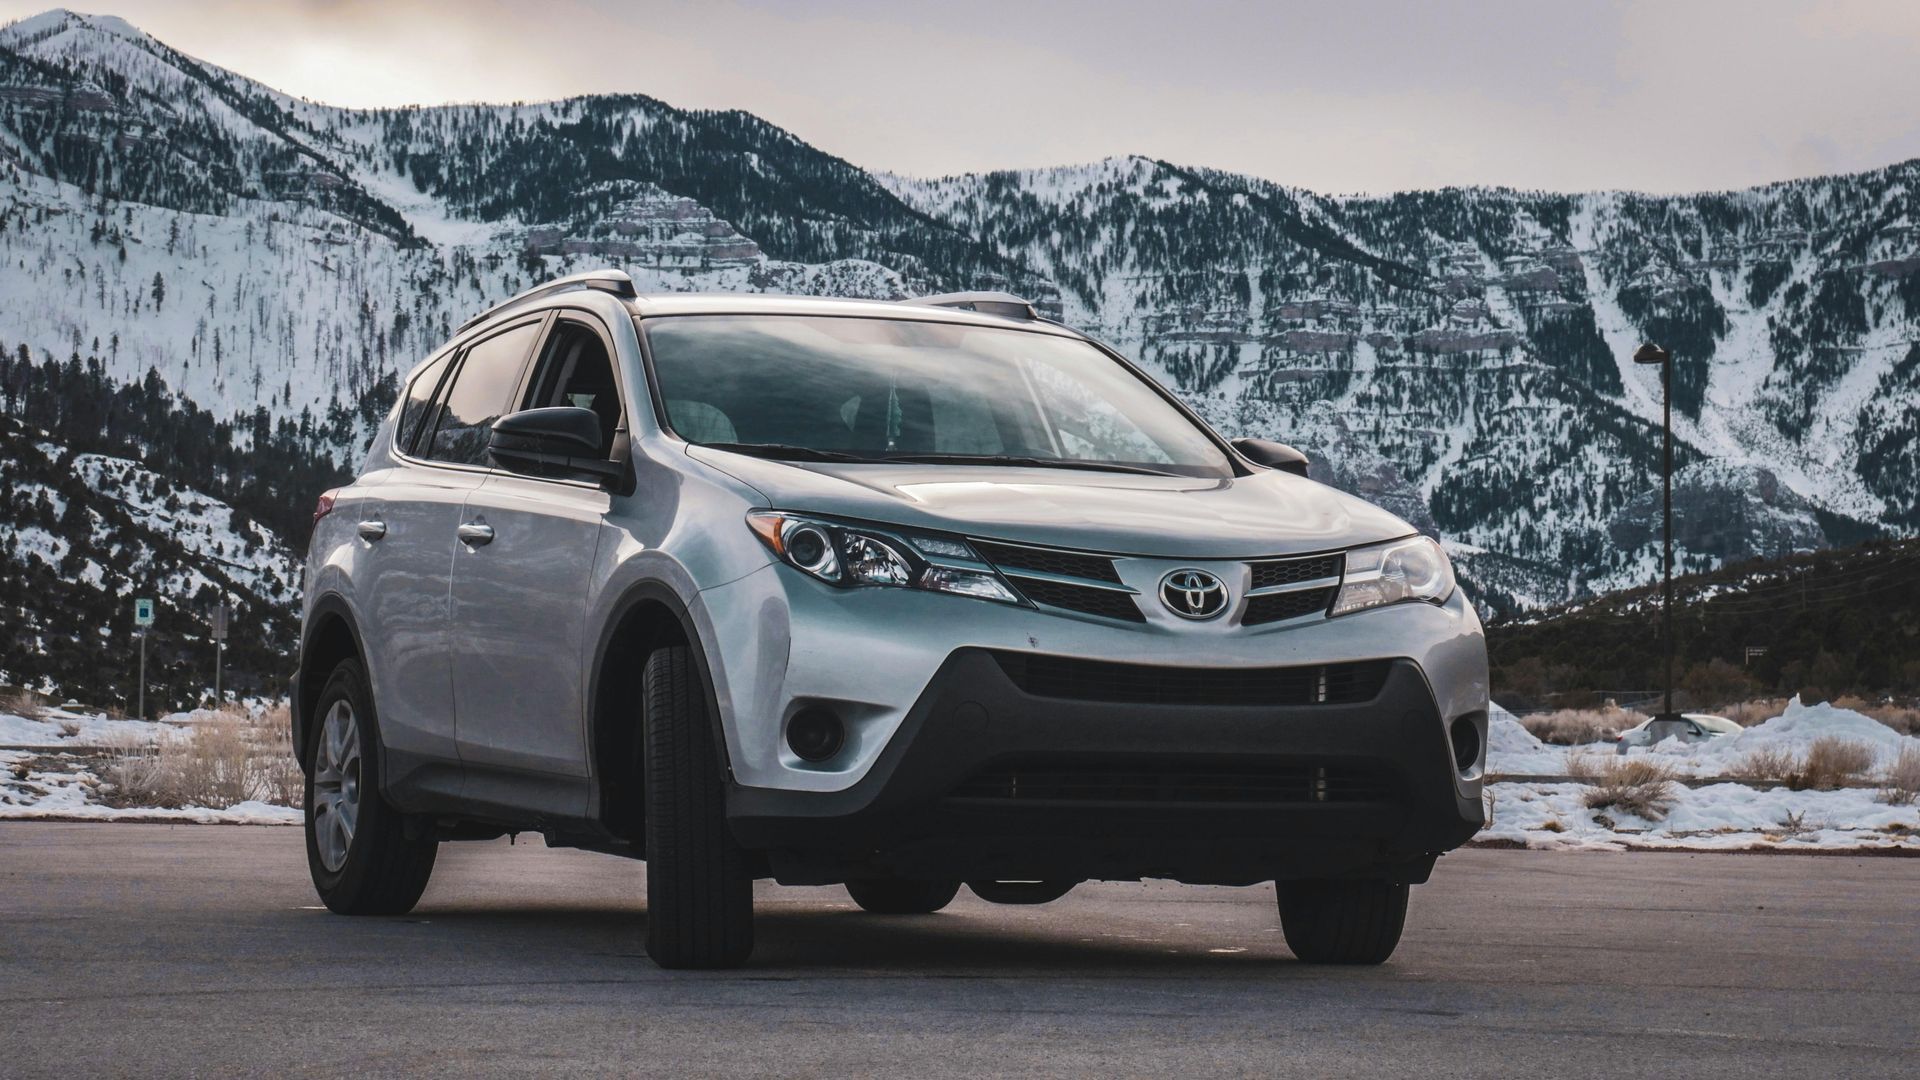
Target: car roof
{"x": 661, "y": 305}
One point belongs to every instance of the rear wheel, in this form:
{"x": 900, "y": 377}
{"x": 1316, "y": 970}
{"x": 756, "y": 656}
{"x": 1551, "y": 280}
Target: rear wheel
{"x": 359, "y": 852}
{"x": 699, "y": 890}
{"x": 902, "y": 896}
{"x": 1343, "y": 922}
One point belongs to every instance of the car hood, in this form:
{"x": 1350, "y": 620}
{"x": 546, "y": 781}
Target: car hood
{"x": 1268, "y": 513}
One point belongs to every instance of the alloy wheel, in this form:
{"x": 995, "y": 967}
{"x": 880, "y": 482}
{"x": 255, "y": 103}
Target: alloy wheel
{"x": 336, "y": 786}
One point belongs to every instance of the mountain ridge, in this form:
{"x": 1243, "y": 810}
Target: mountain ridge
{"x": 1459, "y": 355}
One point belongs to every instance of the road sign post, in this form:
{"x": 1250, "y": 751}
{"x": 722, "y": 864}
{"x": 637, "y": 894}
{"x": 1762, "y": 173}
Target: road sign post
{"x": 142, "y": 618}
{"x": 220, "y": 615}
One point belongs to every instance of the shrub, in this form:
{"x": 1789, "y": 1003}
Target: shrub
{"x": 1900, "y": 784}
{"x": 20, "y": 701}
{"x": 1756, "y": 711}
{"x": 1635, "y": 785}
{"x": 1769, "y": 764}
{"x": 1577, "y": 727}
{"x": 1904, "y": 719}
{"x": 1584, "y": 765}
{"x": 1831, "y": 762}
{"x": 215, "y": 763}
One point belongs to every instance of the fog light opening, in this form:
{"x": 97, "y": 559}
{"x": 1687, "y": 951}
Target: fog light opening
{"x": 816, "y": 734}
{"x": 1466, "y": 743}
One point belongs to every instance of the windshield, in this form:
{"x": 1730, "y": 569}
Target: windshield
{"x": 827, "y": 388}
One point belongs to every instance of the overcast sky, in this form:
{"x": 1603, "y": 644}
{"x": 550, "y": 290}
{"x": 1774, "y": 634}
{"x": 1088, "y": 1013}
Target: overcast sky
{"x": 1356, "y": 95}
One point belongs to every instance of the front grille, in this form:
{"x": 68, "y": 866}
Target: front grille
{"x": 1073, "y": 679}
{"x": 1268, "y": 573}
{"x": 1083, "y": 598}
{"x": 1148, "y": 782}
{"x": 1014, "y": 558}
{"x": 1287, "y": 605}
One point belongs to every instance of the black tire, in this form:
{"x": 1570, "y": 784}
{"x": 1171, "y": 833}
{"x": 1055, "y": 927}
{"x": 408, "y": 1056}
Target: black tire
{"x": 699, "y": 888}
{"x": 902, "y": 896}
{"x": 1343, "y": 922}
{"x": 385, "y": 869}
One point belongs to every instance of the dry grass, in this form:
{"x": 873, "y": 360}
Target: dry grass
{"x": 1756, "y": 711}
{"x": 1634, "y": 785}
{"x": 1578, "y": 727}
{"x": 1900, "y": 784}
{"x": 1904, "y": 719}
{"x": 1584, "y": 765}
{"x": 1769, "y": 764}
{"x": 1831, "y": 762}
{"x": 216, "y": 763}
{"x": 20, "y": 701}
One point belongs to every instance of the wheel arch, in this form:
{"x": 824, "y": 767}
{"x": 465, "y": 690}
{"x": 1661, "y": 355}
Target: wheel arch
{"x": 649, "y": 615}
{"x": 331, "y": 635}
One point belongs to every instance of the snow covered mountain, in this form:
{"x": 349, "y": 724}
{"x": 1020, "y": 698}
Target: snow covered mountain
{"x": 1458, "y": 355}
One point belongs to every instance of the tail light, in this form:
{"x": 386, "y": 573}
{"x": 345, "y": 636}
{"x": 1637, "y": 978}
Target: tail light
{"x": 324, "y": 506}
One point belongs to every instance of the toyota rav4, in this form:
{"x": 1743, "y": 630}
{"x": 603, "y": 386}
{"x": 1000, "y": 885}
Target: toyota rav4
{"x": 898, "y": 596}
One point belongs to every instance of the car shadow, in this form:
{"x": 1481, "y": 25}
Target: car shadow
{"x": 965, "y": 943}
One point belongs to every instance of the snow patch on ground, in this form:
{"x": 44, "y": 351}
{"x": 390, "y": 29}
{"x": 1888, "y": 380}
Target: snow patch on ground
{"x": 1552, "y": 814}
{"x": 48, "y": 766}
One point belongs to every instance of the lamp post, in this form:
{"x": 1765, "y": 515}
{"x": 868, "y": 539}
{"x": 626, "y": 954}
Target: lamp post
{"x": 1668, "y": 722}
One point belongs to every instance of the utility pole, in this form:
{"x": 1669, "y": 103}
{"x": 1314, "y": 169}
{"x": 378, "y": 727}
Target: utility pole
{"x": 1654, "y": 354}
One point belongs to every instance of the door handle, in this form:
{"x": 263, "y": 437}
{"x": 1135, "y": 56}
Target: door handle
{"x": 475, "y": 533}
{"x": 372, "y": 530}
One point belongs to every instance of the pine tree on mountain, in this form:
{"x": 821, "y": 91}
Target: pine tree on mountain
{"x": 159, "y": 290}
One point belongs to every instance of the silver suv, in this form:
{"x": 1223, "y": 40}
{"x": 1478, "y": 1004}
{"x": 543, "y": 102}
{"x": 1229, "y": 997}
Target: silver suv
{"x": 895, "y": 595}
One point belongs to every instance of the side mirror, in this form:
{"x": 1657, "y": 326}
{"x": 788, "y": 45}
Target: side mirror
{"x": 559, "y": 441}
{"x": 1273, "y": 455}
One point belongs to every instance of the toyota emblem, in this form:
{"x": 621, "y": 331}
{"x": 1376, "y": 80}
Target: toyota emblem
{"x": 1193, "y": 594}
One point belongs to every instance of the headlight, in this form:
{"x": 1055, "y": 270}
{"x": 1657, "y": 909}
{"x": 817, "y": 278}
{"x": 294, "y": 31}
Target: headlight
{"x": 851, "y": 556}
{"x": 1411, "y": 569}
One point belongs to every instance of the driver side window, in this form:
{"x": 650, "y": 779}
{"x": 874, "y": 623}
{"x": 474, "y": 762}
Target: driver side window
{"x": 574, "y": 369}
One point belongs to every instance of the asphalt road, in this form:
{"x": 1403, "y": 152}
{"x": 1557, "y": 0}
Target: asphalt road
{"x": 173, "y": 950}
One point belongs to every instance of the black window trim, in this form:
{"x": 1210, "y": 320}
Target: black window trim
{"x": 622, "y": 449}
{"x": 452, "y": 357}
{"x": 463, "y": 346}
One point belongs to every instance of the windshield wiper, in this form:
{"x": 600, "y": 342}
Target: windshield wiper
{"x": 786, "y": 451}
{"x": 1015, "y": 459}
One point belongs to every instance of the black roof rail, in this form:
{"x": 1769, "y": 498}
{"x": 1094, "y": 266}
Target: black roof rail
{"x": 616, "y": 282}
{"x": 1005, "y": 305}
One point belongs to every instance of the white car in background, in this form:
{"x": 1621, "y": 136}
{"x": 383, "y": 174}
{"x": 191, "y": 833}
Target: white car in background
{"x": 1698, "y": 727}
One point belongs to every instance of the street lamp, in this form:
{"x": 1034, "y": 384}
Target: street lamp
{"x": 1668, "y": 722}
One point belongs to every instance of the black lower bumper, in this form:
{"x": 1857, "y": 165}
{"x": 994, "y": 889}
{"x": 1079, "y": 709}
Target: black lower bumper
{"x": 985, "y": 780}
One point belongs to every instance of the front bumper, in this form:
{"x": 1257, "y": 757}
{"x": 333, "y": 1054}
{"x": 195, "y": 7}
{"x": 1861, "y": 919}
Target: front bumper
{"x": 777, "y": 641}
{"x": 987, "y": 779}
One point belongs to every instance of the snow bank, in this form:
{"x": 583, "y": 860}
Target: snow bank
{"x": 63, "y": 787}
{"x": 1796, "y": 728}
{"x": 1715, "y": 817}
{"x": 1513, "y": 751}
{"x": 55, "y": 727}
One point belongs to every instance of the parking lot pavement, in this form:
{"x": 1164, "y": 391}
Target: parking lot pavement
{"x": 167, "y": 950}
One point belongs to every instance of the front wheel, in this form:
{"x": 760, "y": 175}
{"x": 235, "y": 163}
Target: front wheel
{"x": 699, "y": 890}
{"x": 359, "y": 852}
{"x": 1343, "y": 922}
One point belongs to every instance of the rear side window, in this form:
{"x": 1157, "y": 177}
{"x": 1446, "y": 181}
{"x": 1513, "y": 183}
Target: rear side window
{"x": 482, "y": 390}
{"x": 419, "y": 401}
